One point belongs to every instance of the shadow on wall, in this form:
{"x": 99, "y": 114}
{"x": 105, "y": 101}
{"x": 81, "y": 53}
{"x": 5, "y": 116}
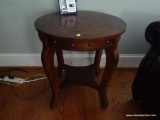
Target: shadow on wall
{"x": 33, "y": 43}
{"x": 133, "y": 41}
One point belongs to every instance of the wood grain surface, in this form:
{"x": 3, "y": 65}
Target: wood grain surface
{"x": 88, "y": 24}
{"x": 73, "y": 103}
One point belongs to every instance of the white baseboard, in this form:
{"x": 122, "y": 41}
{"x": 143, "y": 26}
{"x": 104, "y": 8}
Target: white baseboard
{"x": 126, "y": 60}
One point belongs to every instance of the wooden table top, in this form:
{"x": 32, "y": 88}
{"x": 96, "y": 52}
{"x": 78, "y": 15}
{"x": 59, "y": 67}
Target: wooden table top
{"x": 83, "y": 25}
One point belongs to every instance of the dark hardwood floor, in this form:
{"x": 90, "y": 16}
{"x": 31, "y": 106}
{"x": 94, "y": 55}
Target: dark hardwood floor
{"x": 72, "y": 103}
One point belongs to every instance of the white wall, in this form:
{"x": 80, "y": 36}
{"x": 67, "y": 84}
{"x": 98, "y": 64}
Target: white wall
{"x": 18, "y": 35}
{"x": 17, "y": 32}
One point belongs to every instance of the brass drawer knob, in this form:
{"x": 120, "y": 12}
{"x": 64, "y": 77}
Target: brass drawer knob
{"x": 107, "y": 42}
{"x": 90, "y": 44}
{"x": 72, "y": 45}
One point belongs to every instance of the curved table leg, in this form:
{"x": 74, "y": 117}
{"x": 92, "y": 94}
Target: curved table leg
{"x": 97, "y": 61}
{"x": 112, "y": 58}
{"x": 47, "y": 58}
{"x": 60, "y": 61}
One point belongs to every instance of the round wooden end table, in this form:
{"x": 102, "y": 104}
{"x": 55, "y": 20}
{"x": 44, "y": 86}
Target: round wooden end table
{"x": 85, "y": 31}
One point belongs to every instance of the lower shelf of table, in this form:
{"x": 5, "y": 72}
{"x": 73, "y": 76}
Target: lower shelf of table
{"x": 82, "y": 76}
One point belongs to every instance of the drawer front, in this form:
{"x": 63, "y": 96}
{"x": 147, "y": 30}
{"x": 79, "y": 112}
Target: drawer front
{"x": 77, "y": 44}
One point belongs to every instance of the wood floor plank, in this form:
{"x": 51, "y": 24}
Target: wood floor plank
{"x": 72, "y": 103}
